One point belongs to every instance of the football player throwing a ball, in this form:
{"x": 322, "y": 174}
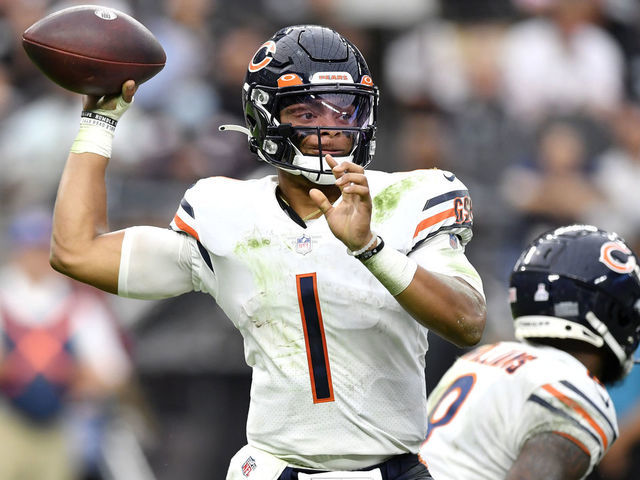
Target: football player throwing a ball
{"x": 333, "y": 277}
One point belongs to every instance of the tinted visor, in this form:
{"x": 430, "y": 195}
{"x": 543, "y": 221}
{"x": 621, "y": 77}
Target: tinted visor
{"x": 324, "y": 109}
{"x": 325, "y": 122}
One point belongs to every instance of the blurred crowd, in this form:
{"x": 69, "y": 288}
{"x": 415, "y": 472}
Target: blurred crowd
{"x": 534, "y": 104}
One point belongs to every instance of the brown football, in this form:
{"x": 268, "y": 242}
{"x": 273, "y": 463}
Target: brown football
{"x": 93, "y": 50}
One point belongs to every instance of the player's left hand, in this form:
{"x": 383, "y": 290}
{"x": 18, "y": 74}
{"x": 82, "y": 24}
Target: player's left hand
{"x": 350, "y": 218}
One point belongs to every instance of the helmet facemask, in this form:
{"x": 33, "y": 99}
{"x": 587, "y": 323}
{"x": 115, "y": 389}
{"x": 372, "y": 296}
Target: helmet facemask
{"x": 317, "y": 69}
{"x": 299, "y": 127}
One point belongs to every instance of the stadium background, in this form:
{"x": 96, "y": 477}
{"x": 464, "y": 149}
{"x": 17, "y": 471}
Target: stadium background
{"x": 532, "y": 103}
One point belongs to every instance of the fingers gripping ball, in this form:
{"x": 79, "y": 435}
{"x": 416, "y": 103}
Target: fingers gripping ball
{"x": 93, "y": 50}
{"x": 97, "y": 128}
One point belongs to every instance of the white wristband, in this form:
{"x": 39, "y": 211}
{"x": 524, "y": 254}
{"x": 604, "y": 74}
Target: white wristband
{"x": 97, "y": 128}
{"x": 393, "y": 269}
{"x": 355, "y": 253}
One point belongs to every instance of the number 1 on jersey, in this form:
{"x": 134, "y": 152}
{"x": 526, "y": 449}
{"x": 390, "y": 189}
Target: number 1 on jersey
{"x": 314, "y": 338}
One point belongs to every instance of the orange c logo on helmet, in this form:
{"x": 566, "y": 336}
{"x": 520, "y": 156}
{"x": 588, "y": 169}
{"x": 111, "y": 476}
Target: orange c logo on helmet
{"x": 606, "y": 257}
{"x": 270, "y": 45}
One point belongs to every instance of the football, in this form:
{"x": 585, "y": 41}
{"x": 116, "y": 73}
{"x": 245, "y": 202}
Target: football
{"x": 93, "y": 50}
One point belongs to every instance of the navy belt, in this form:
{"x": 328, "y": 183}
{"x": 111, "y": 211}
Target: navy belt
{"x": 399, "y": 467}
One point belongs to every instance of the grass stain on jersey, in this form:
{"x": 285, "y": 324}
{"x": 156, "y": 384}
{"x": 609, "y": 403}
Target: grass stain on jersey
{"x": 250, "y": 251}
{"x": 386, "y": 202}
{"x": 456, "y": 267}
{"x": 268, "y": 278}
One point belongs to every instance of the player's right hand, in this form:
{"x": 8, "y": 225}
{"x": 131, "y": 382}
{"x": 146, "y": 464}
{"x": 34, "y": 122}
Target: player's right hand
{"x": 114, "y": 105}
{"x": 350, "y": 219}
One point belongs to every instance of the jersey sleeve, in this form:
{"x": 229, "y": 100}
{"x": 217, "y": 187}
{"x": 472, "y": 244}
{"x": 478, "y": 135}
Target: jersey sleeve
{"x": 577, "y": 412}
{"x": 159, "y": 263}
{"x": 444, "y": 254}
{"x": 447, "y": 209}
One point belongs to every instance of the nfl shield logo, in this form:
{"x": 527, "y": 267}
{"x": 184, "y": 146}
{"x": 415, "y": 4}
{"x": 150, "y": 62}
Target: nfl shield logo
{"x": 248, "y": 466}
{"x": 453, "y": 241}
{"x": 303, "y": 244}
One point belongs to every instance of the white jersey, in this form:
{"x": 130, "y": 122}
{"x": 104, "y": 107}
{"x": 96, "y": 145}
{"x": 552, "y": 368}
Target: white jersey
{"x": 496, "y": 397}
{"x": 338, "y": 365}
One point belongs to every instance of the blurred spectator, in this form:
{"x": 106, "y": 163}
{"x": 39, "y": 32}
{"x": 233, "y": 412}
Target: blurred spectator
{"x": 15, "y": 18}
{"x": 555, "y": 188}
{"x": 59, "y": 346}
{"x": 422, "y": 140}
{"x": 486, "y": 10}
{"x": 424, "y": 67}
{"x": 616, "y": 176}
{"x": 32, "y": 152}
{"x": 621, "y": 18}
{"x": 486, "y": 141}
{"x": 199, "y": 149}
{"x": 180, "y": 89}
{"x": 235, "y": 44}
{"x": 10, "y": 96}
{"x": 486, "y": 138}
{"x": 194, "y": 374}
{"x": 562, "y": 62}
{"x": 381, "y": 13}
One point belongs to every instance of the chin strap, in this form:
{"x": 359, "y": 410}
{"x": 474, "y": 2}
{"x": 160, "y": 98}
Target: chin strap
{"x": 235, "y": 128}
{"x": 613, "y": 344}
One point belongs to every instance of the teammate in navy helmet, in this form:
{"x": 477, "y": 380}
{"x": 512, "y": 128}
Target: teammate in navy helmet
{"x": 539, "y": 408}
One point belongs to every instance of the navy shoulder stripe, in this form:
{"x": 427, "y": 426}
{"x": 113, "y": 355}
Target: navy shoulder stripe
{"x": 432, "y": 202}
{"x": 186, "y": 206}
{"x": 205, "y": 255}
{"x": 557, "y": 411}
{"x": 575, "y": 389}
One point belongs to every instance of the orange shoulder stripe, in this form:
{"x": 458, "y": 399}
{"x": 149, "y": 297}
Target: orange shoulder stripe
{"x": 574, "y": 405}
{"x": 185, "y": 228}
{"x": 578, "y": 443}
{"x": 438, "y": 217}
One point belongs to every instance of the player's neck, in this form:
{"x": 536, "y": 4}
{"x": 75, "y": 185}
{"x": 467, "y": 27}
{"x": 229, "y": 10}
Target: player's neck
{"x": 294, "y": 190}
{"x": 591, "y": 360}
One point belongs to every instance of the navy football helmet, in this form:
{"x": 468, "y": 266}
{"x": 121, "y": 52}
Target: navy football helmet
{"x": 321, "y": 80}
{"x": 581, "y": 283}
